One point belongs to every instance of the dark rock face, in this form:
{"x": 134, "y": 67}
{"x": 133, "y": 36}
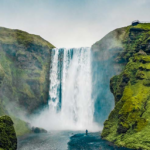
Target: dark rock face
{"x": 8, "y": 138}
{"x": 24, "y": 70}
{"x": 38, "y": 130}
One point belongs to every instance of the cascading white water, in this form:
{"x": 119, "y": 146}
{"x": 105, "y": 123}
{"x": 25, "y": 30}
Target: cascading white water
{"x": 71, "y": 106}
{"x": 71, "y": 89}
{"x": 54, "y": 82}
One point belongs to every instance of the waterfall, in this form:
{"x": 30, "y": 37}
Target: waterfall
{"x": 70, "y": 94}
{"x": 71, "y": 106}
{"x": 54, "y": 82}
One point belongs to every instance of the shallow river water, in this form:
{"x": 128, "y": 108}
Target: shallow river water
{"x": 66, "y": 140}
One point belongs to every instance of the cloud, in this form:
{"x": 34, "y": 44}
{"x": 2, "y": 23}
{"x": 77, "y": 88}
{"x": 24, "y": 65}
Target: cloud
{"x": 72, "y": 23}
{"x": 142, "y": 2}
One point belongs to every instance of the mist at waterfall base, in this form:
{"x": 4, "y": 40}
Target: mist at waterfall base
{"x": 73, "y": 102}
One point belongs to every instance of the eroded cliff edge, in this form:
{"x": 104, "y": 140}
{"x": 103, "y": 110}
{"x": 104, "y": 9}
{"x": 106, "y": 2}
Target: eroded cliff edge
{"x": 128, "y": 124}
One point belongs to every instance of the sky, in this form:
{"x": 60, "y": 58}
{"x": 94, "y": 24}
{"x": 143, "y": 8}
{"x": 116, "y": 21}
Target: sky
{"x": 72, "y": 23}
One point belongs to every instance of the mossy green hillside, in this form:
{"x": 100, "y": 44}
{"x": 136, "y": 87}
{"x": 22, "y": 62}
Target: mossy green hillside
{"x": 24, "y": 70}
{"x": 128, "y": 124}
{"x": 143, "y": 26}
{"x": 9, "y": 36}
{"x": 8, "y": 139}
{"x": 24, "y": 75}
{"x": 135, "y": 39}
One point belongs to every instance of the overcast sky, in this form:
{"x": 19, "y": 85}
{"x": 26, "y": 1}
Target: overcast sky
{"x": 72, "y": 23}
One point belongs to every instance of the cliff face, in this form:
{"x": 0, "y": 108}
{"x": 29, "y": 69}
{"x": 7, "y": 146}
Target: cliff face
{"x": 24, "y": 70}
{"x": 105, "y": 64}
{"x": 24, "y": 75}
{"x": 129, "y": 123}
{"x": 8, "y": 138}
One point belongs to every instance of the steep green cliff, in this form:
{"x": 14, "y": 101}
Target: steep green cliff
{"x": 24, "y": 70}
{"x": 8, "y": 140}
{"x": 24, "y": 75}
{"x": 128, "y": 124}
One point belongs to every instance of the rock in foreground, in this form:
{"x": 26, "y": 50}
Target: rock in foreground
{"x": 8, "y": 139}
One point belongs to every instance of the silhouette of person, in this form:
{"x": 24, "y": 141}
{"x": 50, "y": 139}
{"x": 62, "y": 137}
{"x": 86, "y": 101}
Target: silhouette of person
{"x": 86, "y": 132}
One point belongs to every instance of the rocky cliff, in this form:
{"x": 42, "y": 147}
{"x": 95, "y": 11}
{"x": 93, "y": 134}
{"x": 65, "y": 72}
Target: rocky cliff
{"x": 24, "y": 70}
{"x": 8, "y": 138}
{"x": 24, "y": 74}
{"x": 128, "y": 124}
{"x": 105, "y": 64}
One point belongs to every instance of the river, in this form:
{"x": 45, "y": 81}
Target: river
{"x": 64, "y": 140}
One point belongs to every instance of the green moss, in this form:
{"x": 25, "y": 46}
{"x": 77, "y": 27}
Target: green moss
{"x": 8, "y": 138}
{"x": 24, "y": 38}
{"x": 8, "y": 36}
{"x": 21, "y": 127}
{"x": 144, "y": 26}
{"x": 145, "y": 59}
{"x": 146, "y": 82}
{"x": 24, "y": 74}
{"x": 141, "y": 123}
{"x": 24, "y": 69}
{"x": 140, "y": 75}
{"x": 128, "y": 124}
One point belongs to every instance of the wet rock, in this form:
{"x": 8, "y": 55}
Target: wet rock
{"x": 38, "y": 130}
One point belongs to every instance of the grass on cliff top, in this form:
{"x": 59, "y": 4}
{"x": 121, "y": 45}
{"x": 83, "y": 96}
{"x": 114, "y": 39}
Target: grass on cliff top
{"x": 10, "y": 36}
{"x": 144, "y": 26}
{"x": 114, "y": 37}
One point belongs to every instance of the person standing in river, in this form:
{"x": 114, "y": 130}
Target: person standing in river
{"x": 86, "y": 132}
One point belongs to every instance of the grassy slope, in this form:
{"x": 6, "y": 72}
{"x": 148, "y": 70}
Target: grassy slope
{"x": 129, "y": 123}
